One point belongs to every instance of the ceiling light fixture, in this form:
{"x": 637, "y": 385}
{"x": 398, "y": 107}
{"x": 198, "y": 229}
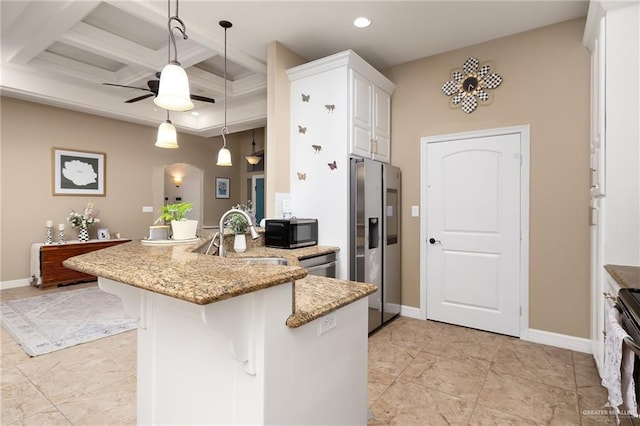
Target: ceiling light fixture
{"x": 173, "y": 93}
{"x": 362, "y": 22}
{"x": 253, "y": 159}
{"x": 224, "y": 155}
{"x": 167, "y": 136}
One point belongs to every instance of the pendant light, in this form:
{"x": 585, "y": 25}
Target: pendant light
{"x": 224, "y": 155}
{"x": 253, "y": 159}
{"x": 173, "y": 93}
{"x": 167, "y": 136}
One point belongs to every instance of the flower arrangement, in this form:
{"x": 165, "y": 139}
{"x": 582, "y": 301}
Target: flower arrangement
{"x": 238, "y": 223}
{"x": 85, "y": 219}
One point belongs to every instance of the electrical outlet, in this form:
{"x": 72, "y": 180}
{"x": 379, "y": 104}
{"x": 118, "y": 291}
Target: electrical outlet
{"x": 147, "y": 209}
{"x": 326, "y": 323}
{"x": 415, "y": 211}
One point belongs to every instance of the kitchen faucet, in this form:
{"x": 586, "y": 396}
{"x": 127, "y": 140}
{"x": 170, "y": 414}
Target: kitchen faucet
{"x": 254, "y": 233}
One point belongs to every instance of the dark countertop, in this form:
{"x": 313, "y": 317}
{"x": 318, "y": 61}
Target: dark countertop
{"x": 625, "y": 276}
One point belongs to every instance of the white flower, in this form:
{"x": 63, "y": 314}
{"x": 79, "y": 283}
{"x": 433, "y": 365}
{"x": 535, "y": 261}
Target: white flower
{"x": 80, "y": 173}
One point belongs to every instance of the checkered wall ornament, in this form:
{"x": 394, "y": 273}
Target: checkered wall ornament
{"x": 468, "y": 85}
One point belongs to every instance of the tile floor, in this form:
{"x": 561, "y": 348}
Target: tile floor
{"x": 420, "y": 373}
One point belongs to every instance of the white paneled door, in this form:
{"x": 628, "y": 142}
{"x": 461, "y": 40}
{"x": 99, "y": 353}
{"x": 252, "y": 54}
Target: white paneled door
{"x": 473, "y": 232}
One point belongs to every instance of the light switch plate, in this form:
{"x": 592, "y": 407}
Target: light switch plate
{"x": 415, "y": 211}
{"x": 147, "y": 209}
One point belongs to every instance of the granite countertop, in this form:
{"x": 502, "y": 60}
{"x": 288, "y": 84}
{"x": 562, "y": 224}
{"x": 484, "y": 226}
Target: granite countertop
{"x": 182, "y": 272}
{"x": 625, "y": 276}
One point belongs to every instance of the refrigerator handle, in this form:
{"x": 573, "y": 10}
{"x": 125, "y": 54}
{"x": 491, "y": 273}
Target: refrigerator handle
{"x": 374, "y": 234}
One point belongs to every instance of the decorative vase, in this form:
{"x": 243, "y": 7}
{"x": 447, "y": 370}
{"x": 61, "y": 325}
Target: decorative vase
{"x": 240, "y": 243}
{"x": 83, "y": 234}
{"x": 184, "y": 229}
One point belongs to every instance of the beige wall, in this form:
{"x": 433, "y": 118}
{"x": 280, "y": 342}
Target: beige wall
{"x": 279, "y": 59}
{"x": 546, "y": 84}
{"x": 28, "y": 133}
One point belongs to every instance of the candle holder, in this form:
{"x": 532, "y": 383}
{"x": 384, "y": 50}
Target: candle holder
{"x": 49, "y": 239}
{"x": 61, "y": 236}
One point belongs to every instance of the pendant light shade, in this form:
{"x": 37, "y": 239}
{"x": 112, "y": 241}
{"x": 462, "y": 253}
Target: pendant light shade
{"x": 224, "y": 157}
{"x": 252, "y": 159}
{"x": 173, "y": 93}
{"x": 167, "y": 136}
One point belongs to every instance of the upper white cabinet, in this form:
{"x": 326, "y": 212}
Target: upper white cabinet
{"x": 612, "y": 34}
{"x": 370, "y": 119}
{"x": 340, "y": 107}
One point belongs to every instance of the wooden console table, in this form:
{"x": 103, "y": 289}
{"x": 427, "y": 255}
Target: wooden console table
{"x": 53, "y": 273}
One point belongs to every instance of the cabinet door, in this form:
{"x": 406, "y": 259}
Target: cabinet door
{"x": 381, "y": 148}
{"x": 361, "y": 115}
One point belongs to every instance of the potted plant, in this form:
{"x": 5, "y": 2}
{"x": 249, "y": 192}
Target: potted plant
{"x": 181, "y": 227}
{"x": 238, "y": 224}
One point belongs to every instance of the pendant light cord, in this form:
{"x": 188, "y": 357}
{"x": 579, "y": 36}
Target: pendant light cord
{"x": 181, "y": 27}
{"x": 226, "y": 25}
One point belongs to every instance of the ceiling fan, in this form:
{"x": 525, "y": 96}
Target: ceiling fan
{"x": 152, "y": 87}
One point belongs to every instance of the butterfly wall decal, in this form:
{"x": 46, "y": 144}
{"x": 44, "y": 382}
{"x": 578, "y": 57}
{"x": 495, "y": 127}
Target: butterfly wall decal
{"x": 305, "y": 98}
{"x": 333, "y": 165}
{"x": 302, "y": 130}
{"x": 330, "y": 107}
{"x": 316, "y": 148}
{"x": 302, "y": 176}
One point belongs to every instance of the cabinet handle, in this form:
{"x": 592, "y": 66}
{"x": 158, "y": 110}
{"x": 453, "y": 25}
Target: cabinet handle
{"x": 374, "y": 146}
{"x": 604, "y": 333}
{"x": 594, "y": 178}
{"x": 593, "y": 216}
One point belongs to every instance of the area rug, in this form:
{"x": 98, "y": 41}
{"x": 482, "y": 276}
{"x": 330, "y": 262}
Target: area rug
{"x": 47, "y": 323}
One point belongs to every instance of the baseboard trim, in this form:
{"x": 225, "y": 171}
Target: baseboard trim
{"x": 411, "y": 312}
{"x": 22, "y": 282}
{"x": 578, "y": 344}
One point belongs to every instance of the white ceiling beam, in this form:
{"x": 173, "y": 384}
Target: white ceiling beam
{"x": 70, "y": 67}
{"x": 103, "y": 43}
{"x": 49, "y": 21}
{"x": 211, "y": 38}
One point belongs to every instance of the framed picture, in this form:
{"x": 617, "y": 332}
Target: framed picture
{"x": 103, "y": 233}
{"x": 222, "y": 188}
{"x": 78, "y": 172}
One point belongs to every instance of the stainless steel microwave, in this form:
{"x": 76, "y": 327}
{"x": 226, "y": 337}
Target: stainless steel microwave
{"x": 291, "y": 233}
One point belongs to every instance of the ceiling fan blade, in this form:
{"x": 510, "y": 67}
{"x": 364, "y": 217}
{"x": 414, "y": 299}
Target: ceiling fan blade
{"x": 128, "y": 87}
{"x": 203, "y": 99}
{"x": 139, "y": 98}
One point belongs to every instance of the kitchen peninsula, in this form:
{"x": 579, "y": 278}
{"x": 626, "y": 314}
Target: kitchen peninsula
{"x": 233, "y": 341}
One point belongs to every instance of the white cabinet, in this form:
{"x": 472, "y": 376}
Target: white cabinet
{"x": 340, "y": 106}
{"x": 612, "y": 35}
{"x": 598, "y": 73}
{"x": 370, "y": 119}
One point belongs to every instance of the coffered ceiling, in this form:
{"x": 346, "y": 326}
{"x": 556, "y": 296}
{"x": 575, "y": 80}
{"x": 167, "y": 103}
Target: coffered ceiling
{"x": 60, "y": 52}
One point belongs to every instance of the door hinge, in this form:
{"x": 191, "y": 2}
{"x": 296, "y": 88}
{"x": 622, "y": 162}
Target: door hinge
{"x": 520, "y": 310}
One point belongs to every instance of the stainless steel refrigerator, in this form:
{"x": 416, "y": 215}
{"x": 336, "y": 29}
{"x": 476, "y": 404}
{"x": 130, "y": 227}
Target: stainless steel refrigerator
{"x": 375, "y": 243}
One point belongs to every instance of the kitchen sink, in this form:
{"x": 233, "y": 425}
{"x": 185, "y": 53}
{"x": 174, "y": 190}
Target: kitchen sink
{"x": 269, "y": 260}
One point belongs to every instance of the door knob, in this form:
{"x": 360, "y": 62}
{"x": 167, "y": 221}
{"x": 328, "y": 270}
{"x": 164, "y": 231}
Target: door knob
{"x": 434, "y": 241}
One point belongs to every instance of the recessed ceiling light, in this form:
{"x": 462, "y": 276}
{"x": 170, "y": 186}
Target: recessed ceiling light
{"x": 362, "y": 22}
{"x": 196, "y": 113}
